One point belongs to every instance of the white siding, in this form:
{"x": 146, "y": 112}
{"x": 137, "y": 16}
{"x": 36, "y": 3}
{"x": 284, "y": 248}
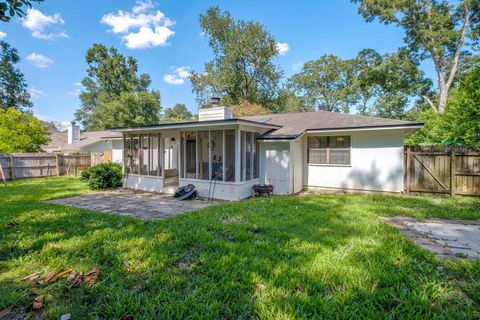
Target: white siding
{"x": 117, "y": 151}
{"x": 100, "y": 146}
{"x": 221, "y": 190}
{"x": 143, "y": 183}
{"x": 275, "y": 166}
{"x": 296, "y": 166}
{"x": 376, "y": 164}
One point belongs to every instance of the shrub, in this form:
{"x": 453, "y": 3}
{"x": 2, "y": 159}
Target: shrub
{"x": 103, "y": 176}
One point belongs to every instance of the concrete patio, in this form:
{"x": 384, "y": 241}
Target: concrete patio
{"x": 448, "y": 239}
{"x": 142, "y": 205}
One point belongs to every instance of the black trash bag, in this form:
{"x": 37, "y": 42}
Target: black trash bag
{"x": 185, "y": 192}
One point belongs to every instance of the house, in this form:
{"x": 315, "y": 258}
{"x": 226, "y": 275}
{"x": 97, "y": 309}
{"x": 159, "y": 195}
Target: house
{"x": 225, "y": 156}
{"x": 108, "y": 143}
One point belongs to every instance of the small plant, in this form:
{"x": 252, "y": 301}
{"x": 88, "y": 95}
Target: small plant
{"x": 103, "y": 176}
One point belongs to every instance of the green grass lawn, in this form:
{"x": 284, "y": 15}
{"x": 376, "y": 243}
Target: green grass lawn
{"x": 307, "y": 257}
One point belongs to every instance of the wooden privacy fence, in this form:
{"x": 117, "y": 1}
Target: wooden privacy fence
{"x": 31, "y": 165}
{"x": 439, "y": 169}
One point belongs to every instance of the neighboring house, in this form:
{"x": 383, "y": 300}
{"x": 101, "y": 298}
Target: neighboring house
{"x": 108, "y": 143}
{"x": 225, "y": 156}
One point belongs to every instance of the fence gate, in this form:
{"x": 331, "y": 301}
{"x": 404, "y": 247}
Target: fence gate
{"x": 442, "y": 170}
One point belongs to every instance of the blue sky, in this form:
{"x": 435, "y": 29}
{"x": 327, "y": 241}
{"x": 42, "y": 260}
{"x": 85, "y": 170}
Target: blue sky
{"x": 164, "y": 36}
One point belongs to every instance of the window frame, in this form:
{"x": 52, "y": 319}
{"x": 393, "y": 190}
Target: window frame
{"x": 327, "y": 150}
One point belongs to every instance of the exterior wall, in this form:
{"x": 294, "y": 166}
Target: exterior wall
{"x": 376, "y": 163}
{"x": 223, "y": 190}
{"x": 275, "y": 166}
{"x": 117, "y": 151}
{"x": 143, "y": 183}
{"x": 296, "y": 168}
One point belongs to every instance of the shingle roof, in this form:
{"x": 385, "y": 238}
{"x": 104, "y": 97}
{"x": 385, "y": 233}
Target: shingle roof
{"x": 294, "y": 124}
{"x": 58, "y": 140}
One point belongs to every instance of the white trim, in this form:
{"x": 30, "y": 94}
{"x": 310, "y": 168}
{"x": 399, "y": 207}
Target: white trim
{"x": 200, "y": 124}
{"x": 364, "y": 129}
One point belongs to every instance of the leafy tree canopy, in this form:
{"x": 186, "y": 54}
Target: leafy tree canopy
{"x": 434, "y": 30}
{"x": 325, "y": 84}
{"x": 21, "y": 132}
{"x": 111, "y": 83}
{"x": 10, "y": 8}
{"x": 13, "y": 88}
{"x": 460, "y": 123}
{"x": 177, "y": 113}
{"x": 242, "y": 67}
{"x": 246, "y": 109}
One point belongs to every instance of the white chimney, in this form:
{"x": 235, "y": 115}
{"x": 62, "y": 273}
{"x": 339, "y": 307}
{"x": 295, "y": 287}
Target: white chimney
{"x": 216, "y": 112}
{"x": 73, "y": 133}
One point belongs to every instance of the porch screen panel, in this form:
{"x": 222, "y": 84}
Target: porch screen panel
{"x": 154, "y": 167}
{"x": 216, "y": 146}
{"x": 135, "y": 154}
{"x": 127, "y": 154}
{"x": 248, "y": 155}
{"x": 256, "y": 155}
{"x": 144, "y": 161}
{"x": 203, "y": 155}
{"x": 242, "y": 155}
{"x": 230, "y": 155}
{"x": 190, "y": 155}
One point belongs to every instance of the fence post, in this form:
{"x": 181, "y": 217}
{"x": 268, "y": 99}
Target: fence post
{"x": 57, "y": 164}
{"x": 453, "y": 169}
{"x": 409, "y": 169}
{"x": 12, "y": 168}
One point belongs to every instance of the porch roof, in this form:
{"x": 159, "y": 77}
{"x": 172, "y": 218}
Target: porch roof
{"x": 199, "y": 124}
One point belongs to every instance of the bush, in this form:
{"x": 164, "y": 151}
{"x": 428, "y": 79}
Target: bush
{"x": 103, "y": 176}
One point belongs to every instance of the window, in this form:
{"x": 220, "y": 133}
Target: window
{"x": 329, "y": 150}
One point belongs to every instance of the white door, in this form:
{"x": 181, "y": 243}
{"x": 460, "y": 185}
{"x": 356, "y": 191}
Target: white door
{"x": 277, "y": 167}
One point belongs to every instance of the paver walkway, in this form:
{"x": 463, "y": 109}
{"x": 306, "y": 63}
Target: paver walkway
{"x": 448, "y": 239}
{"x": 143, "y": 205}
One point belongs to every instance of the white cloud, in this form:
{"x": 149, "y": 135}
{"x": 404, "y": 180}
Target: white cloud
{"x": 178, "y": 77}
{"x": 39, "y": 60}
{"x": 141, "y": 28}
{"x": 77, "y": 90}
{"x": 282, "y": 48}
{"x": 3, "y": 35}
{"x": 35, "y": 93}
{"x": 41, "y": 25}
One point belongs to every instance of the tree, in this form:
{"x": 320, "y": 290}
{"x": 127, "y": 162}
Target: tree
{"x": 287, "y": 101}
{"x": 325, "y": 84}
{"x": 435, "y": 30}
{"x": 13, "y": 88}
{"x": 112, "y": 81}
{"x": 21, "y": 132}
{"x": 366, "y": 78}
{"x": 177, "y": 113}
{"x": 460, "y": 123}
{"x": 10, "y": 8}
{"x": 126, "y": 110}
{"x": 246, "y": 109}
{"x": 242, "y": 67}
